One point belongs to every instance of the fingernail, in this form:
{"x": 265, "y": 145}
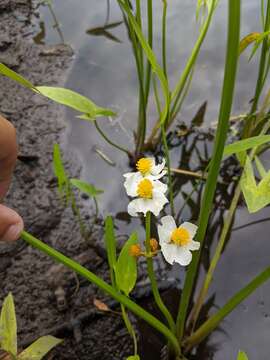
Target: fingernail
{"x": 13, "y": 232}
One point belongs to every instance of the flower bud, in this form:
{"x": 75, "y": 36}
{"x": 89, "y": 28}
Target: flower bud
{"x": 135, "y": 250}
{"x": 154, "y": 245}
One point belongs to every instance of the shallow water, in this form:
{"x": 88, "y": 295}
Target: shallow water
{"x": 104, "y": 70}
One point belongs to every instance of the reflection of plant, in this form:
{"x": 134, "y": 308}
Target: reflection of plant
{"x": 8, "y": 336}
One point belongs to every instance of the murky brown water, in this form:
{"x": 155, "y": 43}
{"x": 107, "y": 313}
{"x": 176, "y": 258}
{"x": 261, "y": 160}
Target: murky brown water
{"x": 104, "y": 70}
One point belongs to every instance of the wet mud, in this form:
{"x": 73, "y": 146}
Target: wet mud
{"x": 24, "y": 271}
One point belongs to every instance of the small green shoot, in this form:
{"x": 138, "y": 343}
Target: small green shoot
{"x": 8, "y": 336}
{"x": 242, "y": 356}
{"x": 257, "y": 196}
{"x": 126, "y": 267}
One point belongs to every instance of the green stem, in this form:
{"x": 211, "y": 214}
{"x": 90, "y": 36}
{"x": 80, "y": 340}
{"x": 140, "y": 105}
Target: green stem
{"x": 209, "y": 276}
{"x": 77, "y": 214}
{"x": 164, "y": 33}
{"x": 129, "y": 328}
{"x": 214, "y": 320}
{"x": 80, "y": 270}
{"x": 141, "y": 127}
{"x": 168, "y": 162}
{"x": 220, "y": 139}
{"x": 151, "y": 274}
{"x": 176, "y": 94}
{"x": 150, "y": 42}
{"x": 105, "y": 137}
{"x": 265, "y": 49}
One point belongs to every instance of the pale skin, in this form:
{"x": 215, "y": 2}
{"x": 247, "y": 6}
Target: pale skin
{"x": 11, "y": 224}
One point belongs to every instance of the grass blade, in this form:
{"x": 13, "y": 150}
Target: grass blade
{"x": 216, "y": 319}
{"x": 222, "y": 130}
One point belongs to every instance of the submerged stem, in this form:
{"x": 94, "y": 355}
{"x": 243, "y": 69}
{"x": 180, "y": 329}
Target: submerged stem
{"x": 105, "y": 137}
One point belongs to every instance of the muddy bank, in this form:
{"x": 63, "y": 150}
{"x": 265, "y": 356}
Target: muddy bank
{"x": 34, "y": 195}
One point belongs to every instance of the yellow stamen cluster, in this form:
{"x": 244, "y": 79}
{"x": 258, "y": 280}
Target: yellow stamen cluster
{"x": 180, "y": 236}
{"x": 144, "y": 166}
{"x": 135, "y": 250}
{"x": 145, "y": 189}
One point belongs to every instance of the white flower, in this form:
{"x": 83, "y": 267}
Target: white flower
{"x": 177, "y": 242}
{"x": 147, "y": 168}
{"x": 149, "y": 193}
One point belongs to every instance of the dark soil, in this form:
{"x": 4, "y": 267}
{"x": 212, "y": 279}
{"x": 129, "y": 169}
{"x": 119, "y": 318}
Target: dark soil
{"x": 88, "y": 334}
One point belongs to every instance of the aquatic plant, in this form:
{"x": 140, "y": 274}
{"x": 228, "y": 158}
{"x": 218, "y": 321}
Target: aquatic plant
{"x": 8, "y": 336}
{"x": 151, "y": 186}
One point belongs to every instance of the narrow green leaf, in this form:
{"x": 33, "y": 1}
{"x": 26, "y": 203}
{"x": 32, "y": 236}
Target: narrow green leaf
{"x": 110, "y": 242}
{"x": 246, "y": 144}
{"x": 86, "y": 188}
{"x": 126, "y": 267}
{"x": 220, "y": 139}
{"x": 39, "y": 348}
{"x": 8, "y": 326}
{"x": 59, "y": 169}
{"x": 151, "y": 58}
{"x": 242, "y": 356}
{"x": 214, "y": 321}
{"x": 75, "y": 101}
{"x": 260, "y": 167}
{"x": 4, "y": 70}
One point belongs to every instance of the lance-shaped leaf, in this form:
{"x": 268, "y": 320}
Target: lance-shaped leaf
{"x": 75, "y": 101}
{"x": 256, "y": 196}
{"x": 8, "y": 326}
{"x": 86, "y": 188}
{"x": 246, "y": 144}
{"x": 242, "y": 356}
{"x": 126, "y": 267}
{"x": 39, "y": 348}
{"x": 4, "y": 70}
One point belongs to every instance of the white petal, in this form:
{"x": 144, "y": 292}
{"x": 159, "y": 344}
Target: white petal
{"x": 164, "y": 234}
{"x": 159, "y": 186}
{"x": 158, "y": 176}
{"x": 158, "y": 168}
{"x": 168, "y": 222}
{"x": 169, "y": 252}
{"x": 183, "y": 256}
{"x": 157, "y": 203}
{"x": 127, "y": 175}
{"x": 191, "y": 228}
{"x": 131, "y": 183}
{"x": 135, "y": 207}
{"x": 193, "y": 245}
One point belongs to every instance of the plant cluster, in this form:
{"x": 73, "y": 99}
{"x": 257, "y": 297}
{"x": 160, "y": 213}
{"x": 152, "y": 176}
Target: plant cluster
{"x": 151, "y": 186}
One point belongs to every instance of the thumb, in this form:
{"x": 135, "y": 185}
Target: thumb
{"x": 11, "y": 224}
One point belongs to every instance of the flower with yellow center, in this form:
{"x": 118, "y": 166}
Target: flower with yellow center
{"x": 145, "y": 189}
{"x": 149, "y": 194}
{"x": 177, "y": 242}
{"x": 147, "y": 168}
